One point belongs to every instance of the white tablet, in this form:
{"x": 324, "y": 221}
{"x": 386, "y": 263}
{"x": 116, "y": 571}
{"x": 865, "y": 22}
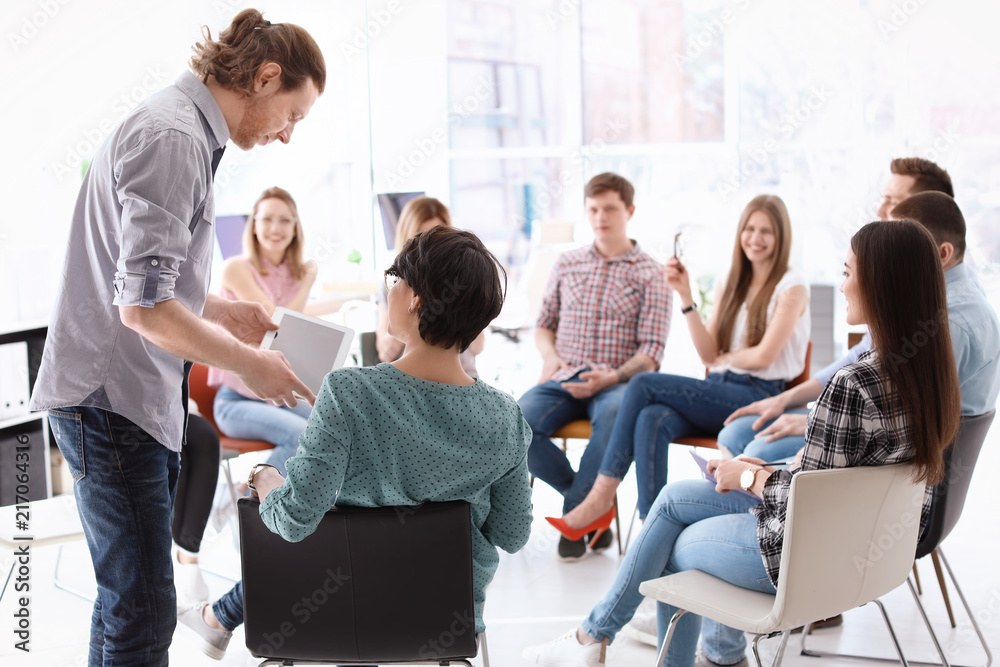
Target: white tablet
{"x": 313, "y": 347}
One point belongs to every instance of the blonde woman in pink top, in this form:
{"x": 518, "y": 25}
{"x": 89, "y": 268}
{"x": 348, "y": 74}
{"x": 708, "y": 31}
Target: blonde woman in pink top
{"x": 272, "y": 273}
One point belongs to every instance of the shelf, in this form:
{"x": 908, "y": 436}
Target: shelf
{"x": 22, "y": 419}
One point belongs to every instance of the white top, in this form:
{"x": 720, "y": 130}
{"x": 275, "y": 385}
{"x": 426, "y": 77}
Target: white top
{"x": 791, "y": 361}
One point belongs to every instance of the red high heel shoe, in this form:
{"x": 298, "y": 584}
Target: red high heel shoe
{"x": 600, "y": 525}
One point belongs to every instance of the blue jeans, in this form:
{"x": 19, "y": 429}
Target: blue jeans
{"x": 548, "y": 407}
{"x": 659, "y": 408}
{"x": 124, "y": 483}
{"x": 251, "y": 419}
{"x": 689, "y": 527}
{"x": 739, "y": 438}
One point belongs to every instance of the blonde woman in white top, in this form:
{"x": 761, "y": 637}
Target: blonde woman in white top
{"x": 754, "y": 341}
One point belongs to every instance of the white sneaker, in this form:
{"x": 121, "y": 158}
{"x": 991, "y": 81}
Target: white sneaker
{"x": 212, "y": 642}
{"x": 189, "y": 583}
{"x": 642, "y": 627}
{"x": 565, "y": 652}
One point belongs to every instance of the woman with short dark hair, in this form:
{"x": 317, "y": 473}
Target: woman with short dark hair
{"x": 412, "y": 431}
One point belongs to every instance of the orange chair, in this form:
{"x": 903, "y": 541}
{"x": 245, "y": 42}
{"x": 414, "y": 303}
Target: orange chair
{"x": 204, "y": 397}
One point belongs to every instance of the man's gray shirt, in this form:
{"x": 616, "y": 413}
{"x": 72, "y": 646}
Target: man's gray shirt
{"x": 142, "y": 233}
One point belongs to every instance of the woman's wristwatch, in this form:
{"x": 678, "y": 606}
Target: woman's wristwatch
{"x": 253, "y": 471}
{"x": 748, "y": 478}
{"x": 685, "y": 311}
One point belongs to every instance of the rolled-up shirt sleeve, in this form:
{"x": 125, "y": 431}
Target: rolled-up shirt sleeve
{"x": 315, "y": 474}
{"x": 654, "y": 318}
{"x": 160, "y": 185}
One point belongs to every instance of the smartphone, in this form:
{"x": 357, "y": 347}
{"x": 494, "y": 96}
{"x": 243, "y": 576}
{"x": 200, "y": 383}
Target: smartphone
{"x": 576, "y": 376}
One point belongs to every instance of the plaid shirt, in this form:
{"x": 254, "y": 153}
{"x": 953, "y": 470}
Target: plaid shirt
{"x": 605, "y": 311}
{"x": 852, "y": 424}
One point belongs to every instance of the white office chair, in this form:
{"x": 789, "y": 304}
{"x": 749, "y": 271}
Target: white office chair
{"x": 850, "y": 536}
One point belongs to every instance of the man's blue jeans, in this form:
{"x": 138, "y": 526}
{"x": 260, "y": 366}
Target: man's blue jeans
{"x": 689, "y": 527}
{"x": 548, "y": 407}
{"x": 739, "y": 438}
{"x": 659, "y": 408}
{"x": 124, "y": 483}
{"x": 251, "y": 419}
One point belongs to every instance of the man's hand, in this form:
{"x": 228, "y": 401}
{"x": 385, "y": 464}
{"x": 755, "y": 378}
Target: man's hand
{"x": 784, "y": 426}
{"x": 550, "y": 364}
{"x": 592, "y": 383}
{"x": 268, "y": 375}
{"x": 767, "y": 408}
{"x": 247, "y": 321}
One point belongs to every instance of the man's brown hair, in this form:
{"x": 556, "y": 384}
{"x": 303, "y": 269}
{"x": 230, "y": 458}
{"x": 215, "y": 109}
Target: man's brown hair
{"x": 927, "y": 175}
{"x": 939, "y": 214}
{"x": 248, "y": 43}
{"x": 610, "y": 182}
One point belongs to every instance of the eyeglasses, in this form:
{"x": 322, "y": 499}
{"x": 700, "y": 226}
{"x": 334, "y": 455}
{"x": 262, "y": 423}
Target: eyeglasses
{"x": 391, "y": 279}
{"x": 267, "y": 218}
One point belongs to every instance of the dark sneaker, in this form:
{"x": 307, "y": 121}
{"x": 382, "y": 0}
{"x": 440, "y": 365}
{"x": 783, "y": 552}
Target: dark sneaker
{"x": 603, "y": 542}
{"x": 570, "y": 550}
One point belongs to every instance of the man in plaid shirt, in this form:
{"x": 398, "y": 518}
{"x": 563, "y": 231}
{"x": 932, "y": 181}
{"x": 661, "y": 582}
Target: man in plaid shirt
{"x": 605, "y": 317}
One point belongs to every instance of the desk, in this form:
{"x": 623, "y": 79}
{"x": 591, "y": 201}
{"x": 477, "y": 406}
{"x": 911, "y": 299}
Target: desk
{"x": 28, "y": 430}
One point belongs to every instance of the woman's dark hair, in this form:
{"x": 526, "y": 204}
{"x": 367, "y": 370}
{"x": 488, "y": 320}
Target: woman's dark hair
{"x": 248, "y": 43}
{"x": 460, "y": 282}
{"x": 901, "y": 284}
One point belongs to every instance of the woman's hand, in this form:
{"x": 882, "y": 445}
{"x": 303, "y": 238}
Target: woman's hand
{"x": 727, "y": 472}
{"x": 265, "y": 480}
{"x": 678, "y": 279}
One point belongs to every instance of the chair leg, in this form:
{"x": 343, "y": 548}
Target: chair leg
{"x": 916, "y": 576}
{"x": 944, "y": 588}
{"x": 631, "y": 525}
{"x": 484, "y": 650}
{"x": 662, "y": 655}
{"x": 63, "y": 587}
{"x": 968, "y": 610}
{"x": 892, "y": 633}
{"x": 232, "y": 488}
{"x": 778, "y": 656}
{"x": 927, "y": 624}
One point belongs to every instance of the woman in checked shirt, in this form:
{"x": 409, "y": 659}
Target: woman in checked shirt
{"x": 899, "y": 402}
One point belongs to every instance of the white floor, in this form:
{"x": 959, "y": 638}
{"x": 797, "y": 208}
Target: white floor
{"x": 535, "y": 597}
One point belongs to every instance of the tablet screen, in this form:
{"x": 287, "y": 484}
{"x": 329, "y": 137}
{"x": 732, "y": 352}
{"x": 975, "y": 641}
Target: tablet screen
{"x": 312, "y": 346}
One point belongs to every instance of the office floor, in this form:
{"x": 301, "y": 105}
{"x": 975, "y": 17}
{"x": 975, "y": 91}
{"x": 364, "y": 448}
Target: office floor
{"x": 534, "y": 597}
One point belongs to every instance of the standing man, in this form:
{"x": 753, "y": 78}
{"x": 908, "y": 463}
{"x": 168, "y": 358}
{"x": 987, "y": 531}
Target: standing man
{"x": 134, "y": 305}
{"x": 605, "y": 317}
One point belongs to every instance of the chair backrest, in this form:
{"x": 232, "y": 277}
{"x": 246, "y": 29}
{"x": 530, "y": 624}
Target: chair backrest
{"x": 949, "y": 495}
{"x": 850, "y": 535}
{"x": 369, "y": 351}
{"x": 804, "y": 375}
{"x": 371, "y": 584}
{"x": 201, "y": 393}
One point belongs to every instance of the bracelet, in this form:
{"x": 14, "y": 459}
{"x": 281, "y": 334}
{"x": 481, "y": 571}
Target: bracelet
{"x": 253, "y": 471}
{"x": 685, "y": 311}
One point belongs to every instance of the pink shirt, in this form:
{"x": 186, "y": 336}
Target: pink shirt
{"x": 280, "y": 287}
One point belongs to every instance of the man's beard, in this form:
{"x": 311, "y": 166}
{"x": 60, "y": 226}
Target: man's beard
{"x": 251, "y": 125}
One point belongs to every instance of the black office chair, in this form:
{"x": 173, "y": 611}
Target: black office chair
{"x": 946, "y": 508}
{"x": 389, "y": 585}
